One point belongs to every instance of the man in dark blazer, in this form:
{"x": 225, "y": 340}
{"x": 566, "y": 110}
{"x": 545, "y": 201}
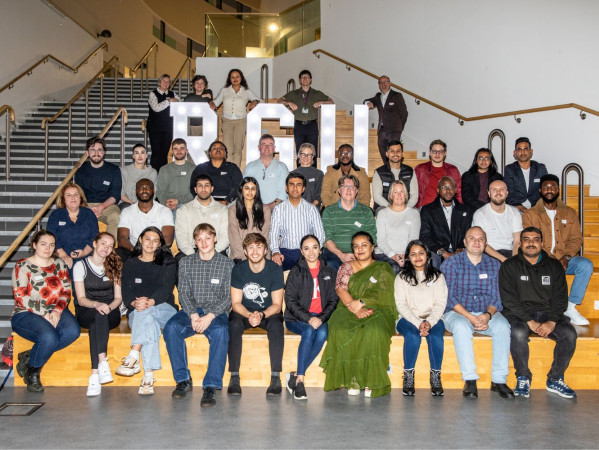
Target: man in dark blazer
{"x": 523, "y": 194}
{"x": 393, "y": 114}
{"x": 444, "y": 240}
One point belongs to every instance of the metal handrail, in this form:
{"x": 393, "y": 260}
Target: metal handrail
{"x": 84, "y": 90}
{"x": 145, "y": 132}
{"x": 175, "y": 80}
{"x": 290, "y": 85}
{"x": 38, "y": 217}
{"x": 45, "y": 59}
{"x": 142, "y": 61}
{"x": 578, "y": 169}
{"x": 10, "y": 118}
{"x": 264, "y": 83}
{"x": 461, "y": 118}
{"x": 501, "y": 135}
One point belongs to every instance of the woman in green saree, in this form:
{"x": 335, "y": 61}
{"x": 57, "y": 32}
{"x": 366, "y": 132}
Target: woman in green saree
{"x": 357, "y": 353}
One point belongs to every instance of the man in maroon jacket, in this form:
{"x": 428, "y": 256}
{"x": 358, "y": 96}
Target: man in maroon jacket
{"x": 430, "y": 173}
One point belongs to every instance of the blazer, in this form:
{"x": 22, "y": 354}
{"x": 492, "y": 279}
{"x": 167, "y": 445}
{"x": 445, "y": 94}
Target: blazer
{"x": 434, "y": 231}
{"x": 393, "y": 114}
{"x": 471, "y": 188}
{"x": 516, "y": 185}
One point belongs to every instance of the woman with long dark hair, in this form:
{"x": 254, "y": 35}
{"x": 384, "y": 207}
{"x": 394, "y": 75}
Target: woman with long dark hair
{"x": 97, "y": 280}
{"x": 420, "y": 297}
{"x": 248, "y": 215}
{"x": 477, "y": 179}
{"x": 149, "y": 277}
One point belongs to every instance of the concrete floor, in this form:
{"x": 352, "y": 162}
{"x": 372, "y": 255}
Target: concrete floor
{"x": 119, "y": 418}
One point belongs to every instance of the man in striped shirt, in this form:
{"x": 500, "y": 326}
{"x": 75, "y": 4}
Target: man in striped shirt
{"x": 291, "y": 221}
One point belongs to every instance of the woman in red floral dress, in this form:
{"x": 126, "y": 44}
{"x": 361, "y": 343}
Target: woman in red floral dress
{"x": 42, "y": 290}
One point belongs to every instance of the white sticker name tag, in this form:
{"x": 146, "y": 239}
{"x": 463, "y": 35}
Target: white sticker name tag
{"x": 385, "y": 183}
{"x": 138, "y": 280}
{"x": 358, "y": 224}
{"x": 373, "y": 280}
{"x": 391, "y": 104}
{"x": 464, "y": 214}
{"x": 327, "y": 278}
{"x": 214, "y": 216}
{"x": 223, "y": 173}
{"x": 408, "y": 222}
{"x": 311, "y": 180}
{"x": 215, "y": 281}
{"x": 537, "y": 180}
{"x": 105, "y": 279}
{"x": 546, "y": 280}
{"x": 183, "y": 174}
{"x": 524, "y": 277}
{"x": 107, "y": 183}
{"x": 483, "y": 276}
{"x": 62, "y": 224}
{"x": 564, "y": 221}
{"x": 272, "y": 175}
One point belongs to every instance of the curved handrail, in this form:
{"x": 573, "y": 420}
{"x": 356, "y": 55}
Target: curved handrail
{"x": 501, "y": 135}
{"x": 145, "y": 56}
{"x": 578, "y": 169}
{"x": 461, "y": 118}
{"x": 15, "y": 244}
{"x": 45, "y": 59}
{"x": 10, "y": 118}
{"x": 142, "y": 61}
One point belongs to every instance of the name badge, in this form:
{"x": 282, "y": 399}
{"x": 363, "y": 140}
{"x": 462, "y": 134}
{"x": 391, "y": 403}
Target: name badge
{"x": 215, "y": 281}
{"x": 223, "y": 173}
{"x": 304, "y": 110}
{"x": 408, "y": 222}
{"x": 358, "y": 224}
{"x": 483, "y": 276}
{"x": 214, "y": 216}
{"x": 327, "y": 278}
{"x": 138, "y": 280}
{"x": 546, "y": 280}
{"x": 373, "y": 280}
{"x": 38, "y": 277}
{"x": 312, "y": 180}
{"x": 183, "y": 174}
{"x": 105, "y": 279}
{"x": 464, "y": 214}
{"x": 62, "y": 224}
{"x": 524, "y": 277}
{"x": 564, "y": 221}
{"x": 537, "y": 180}
{"x": 107, "y": 183}
{"x": 272, "y": 175}
{"x": 391, "y": 104}
{"x": 385, "y": 183}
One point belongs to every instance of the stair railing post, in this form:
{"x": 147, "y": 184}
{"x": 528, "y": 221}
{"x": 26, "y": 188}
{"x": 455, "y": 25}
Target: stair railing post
{"x": 498, "y": 133}
{"x": 264, "y": 83}
{"x": 122, "y": 140}
{"x": 155, "y": 62}
{"x": 69, "y": 127}
{"x": 290, "y": 85}
{"x": 102, "y": 96}
{"x": 86, "y": 111}
{"x": 131, "y": 85}
{"x": 46, "y": 152}
{"x": 116, "y": 77}
{"x": 579, "y": 170}
{"x": 188, "y": 75}
{"x": 7, "y": 145}
{"x": 141, "y": 83}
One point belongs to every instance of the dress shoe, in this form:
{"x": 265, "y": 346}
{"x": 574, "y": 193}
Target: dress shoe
{"x": 502, "y": 389}
{"x": 470, "y": 389}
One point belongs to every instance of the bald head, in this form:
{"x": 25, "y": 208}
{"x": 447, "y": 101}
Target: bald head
{"x": 498, "y": 192}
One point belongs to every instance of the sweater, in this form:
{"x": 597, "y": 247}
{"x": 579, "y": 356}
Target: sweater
{"x": 340, "y": 225}
{"x": 99, "y": 183}
{"x": 130, "y": 176}
{"x": 148, "y": 279}
{"x": 425, "y": 301}
{"x": 173, "y": 182}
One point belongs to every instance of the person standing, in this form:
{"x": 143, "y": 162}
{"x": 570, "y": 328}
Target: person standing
{"x": 201, "y": 94}
{"x": 430, "y": 173}
{"x": 160, "y": 122}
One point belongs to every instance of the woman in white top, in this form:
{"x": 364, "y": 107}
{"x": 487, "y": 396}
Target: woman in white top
{"x": 420, "y": 297}
{"x": 132, "y": 173}
{"x": 396, "y": 225}
{"x": 234, "y": 97}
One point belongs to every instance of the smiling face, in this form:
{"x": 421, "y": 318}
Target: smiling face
{"x": 266, "y": 148}
{"x": 165, "y": 84}
{"x": 179, "y": 152}
{"x": 384, "y": 84}
{"x": 475, "y": 241}
{"x": 498, "y": 192}
{"x": 362, "y": 248}
{"x": 346, "y": 155}
{"x": 395, "y": 154}
{"x": 437, "y": 154}
{"x": 348, "y": 191}
{"x": 96, "y": 153}
{"x": 144, "y": 190}
{"x": 72, "y": 199}
{"x": 103, "y": 246}
{"x": 255, "y": 252}
{"x": 295, "y": 188}
{"x": 235, "y": 79}
{"x": 249, "y": 191}
{"x": 205, "y": 243}
{"x": 199, "y": 86}
{"x": 531, "y": 244}
{"x": 549, "y": 191}
{"x": 45, "y": 246}
{"x": 417, "y": 257}
{"x": 523, "y": 152}
{"x": 150, "y": 242}
{"x": 311, "y": 250}
{"x": 398, "y": 195}
{"x": 447, "y": 190}
{"x": 306, "y": 157}
{"x": 305, "y": 81}
{"x": 140, "y": 155}
{"x": 483, "y": 161}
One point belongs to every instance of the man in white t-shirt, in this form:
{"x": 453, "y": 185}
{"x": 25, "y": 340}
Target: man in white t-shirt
{"x": 501, "y": 222}
{"x": 142, "y": 214}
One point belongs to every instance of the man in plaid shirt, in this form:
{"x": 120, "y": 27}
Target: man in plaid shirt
{"x": 205, "y": 298}
{"x": 474, "y": 305}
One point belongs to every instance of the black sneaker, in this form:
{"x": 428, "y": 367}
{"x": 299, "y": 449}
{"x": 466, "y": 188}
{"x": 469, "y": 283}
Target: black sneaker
{"x": 300, "y": 391}
{"x": 291, "y": 381}
{"x": 208, "y": 399}
{"x": 408, "y": 383}
{"x": 275, "y": 386}
{"x": 234, "y": 385}
{"x": 183, "y": 387}
{"x": 470, "y": 390}
{"x": 436, "y": 386}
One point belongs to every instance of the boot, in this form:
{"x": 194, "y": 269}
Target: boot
{"x": 23, "y": 363}
{"x": 32, "y": 379}
{"x": 436, "y": 386}
{"x": 408, "y": 383}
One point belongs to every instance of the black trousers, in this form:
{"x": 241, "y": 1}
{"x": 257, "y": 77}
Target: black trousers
{"x": 564, "y": 336}
{"x": 99, "y": 326}
{"x": 276, "y": 339}
{"x": 160, "y": 144}
{"x": 384, "y": 137}
{"x": 306, "y": 133}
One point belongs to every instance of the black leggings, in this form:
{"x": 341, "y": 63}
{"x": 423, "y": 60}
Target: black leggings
{"x": 99, "y": 326}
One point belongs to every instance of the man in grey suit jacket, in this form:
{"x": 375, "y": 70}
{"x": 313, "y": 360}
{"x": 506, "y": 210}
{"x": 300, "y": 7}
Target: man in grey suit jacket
{"x": 523, "y": 177}
{"x": 393, "y": 114}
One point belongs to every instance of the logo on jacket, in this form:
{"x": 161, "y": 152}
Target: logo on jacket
{"x": 546, "y": 280}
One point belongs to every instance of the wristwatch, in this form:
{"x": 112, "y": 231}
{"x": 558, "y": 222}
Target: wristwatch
{"x": 568, "y": 257}
{"x": 440, "y": 251}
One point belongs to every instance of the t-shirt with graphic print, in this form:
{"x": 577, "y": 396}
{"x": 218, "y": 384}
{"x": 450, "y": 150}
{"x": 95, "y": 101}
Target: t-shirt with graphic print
{"x": 257, "y": 287}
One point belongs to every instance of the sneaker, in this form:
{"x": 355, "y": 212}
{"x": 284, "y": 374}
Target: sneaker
{"x": 183, "y": 387}
{"x": 291, "y": 381}
{"x": 560, "y": 388}
{"x": 275, "y": 386}
{"x": 93, "y": 386}
{"x": 104, "y": 372}
{"x": 123, "y": 309}
{"x": 209, "y": 397}
{"x": 234, "y": 385}
{"x": 353, "y": 391}
{"x": 436, "y": 386}
{"x": 367, "y": 392}
{"x": 129, "y": 366}
{"x": 146, "y": 386}
{"x": 300, "y": 391}
{"x": 575, "y": 317}
{"x": 522, "y": 387}
{"x": 408, "y": 383}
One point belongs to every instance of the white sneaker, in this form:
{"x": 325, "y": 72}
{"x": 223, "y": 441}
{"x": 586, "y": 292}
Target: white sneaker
{"x": 575, "y": 317}
{"x": 104, "y": 372}
{"x": 353, "y": 391}
{"x": 147, "y": 385}
{"x": 129, "y": 366}
{"x": 93, "y": 386}
{"x": 367, "y": 392}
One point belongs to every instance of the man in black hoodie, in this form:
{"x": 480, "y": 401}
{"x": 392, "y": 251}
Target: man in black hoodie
{"x": 534, "y": 295}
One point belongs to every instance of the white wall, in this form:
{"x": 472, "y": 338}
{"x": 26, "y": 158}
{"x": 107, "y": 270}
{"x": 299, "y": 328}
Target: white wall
{"x": 38, "y": 30}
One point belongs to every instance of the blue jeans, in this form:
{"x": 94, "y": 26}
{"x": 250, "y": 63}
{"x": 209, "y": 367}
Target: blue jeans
{"x": 462, "y": 329}
{"x": 310, "y": 344}
{"x": 291, "y": 256}
{"x": 412, "y": 340}
{"x": 178, "y": 328}
{"x": 145, "y": 330}
{"x": 46, "y": 339}
{"x": 582, "y": 269}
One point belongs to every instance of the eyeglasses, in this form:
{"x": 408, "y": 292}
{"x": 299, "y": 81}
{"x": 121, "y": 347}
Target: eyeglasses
{"x": 96, "y": 150}
{"x": 346, "y": 153}
{"x": 447, "y": 188}
{"x": 306, "y": 155}
{"x": 222, "y": 149}
{"x": 484, "y": 158}
{"x": 437, "y": 152}
{"x": 348, "y": 187}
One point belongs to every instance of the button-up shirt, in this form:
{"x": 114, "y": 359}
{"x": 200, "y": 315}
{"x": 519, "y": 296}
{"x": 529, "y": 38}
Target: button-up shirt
{"x": 235, "y": 103}
{"x": 271, "y": 179}
{"x": 193, "y": 213}
{"x": 289, "y": 224}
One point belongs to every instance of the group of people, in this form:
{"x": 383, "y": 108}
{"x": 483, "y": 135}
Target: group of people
{"x": 480, "y": 252}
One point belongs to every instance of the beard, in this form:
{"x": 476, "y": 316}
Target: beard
{"x": 497, "y": 202}
{"x": 548, "y": 198}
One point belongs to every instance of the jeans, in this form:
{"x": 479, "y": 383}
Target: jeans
{"x": 384, "y": 258}
{"x": 46, "y": 339}
{"x": 276, "y": 339}
{"x": 99, "y": 326}
{"x": 291, "y": 256}
{"x": 310, "y": 344}
{"x": 178, "y": 328}
{"x": 564, "y": 336}
{"x": 145, "y": 331}
{"x": 462, "y": 329}
{"x": 412, "y": 340}
{"x": 582, "y": 269}
{"x": 331, "y": 259}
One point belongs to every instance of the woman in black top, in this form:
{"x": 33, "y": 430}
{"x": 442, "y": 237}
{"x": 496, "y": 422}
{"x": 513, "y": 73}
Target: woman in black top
{"x": 476, "y": 181}
{"x": 97, "y": 281}
{"x": 310, "y": 299}
{"x": 201, "y": 94}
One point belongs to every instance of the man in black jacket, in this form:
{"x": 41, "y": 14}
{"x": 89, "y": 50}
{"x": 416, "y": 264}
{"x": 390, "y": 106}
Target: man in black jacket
{"x": 534, "y": 295}
{"x": 444, "y": 222}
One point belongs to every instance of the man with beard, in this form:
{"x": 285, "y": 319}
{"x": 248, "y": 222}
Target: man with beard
{"x": 391, "y": 171}
{"x": 142, "y": 214}
{"x": 101, "y": 183}
{"x": 501, "y": 222}
{"x": 172, "y": 187}
{"x": 429, "y": 173}
{"x": 534, "y": 295}
{"x": 563, "y": 239}
{"x": 202, "y": 209}
{"x": 345, "y": 166}
{"x": 523, "y": 176}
